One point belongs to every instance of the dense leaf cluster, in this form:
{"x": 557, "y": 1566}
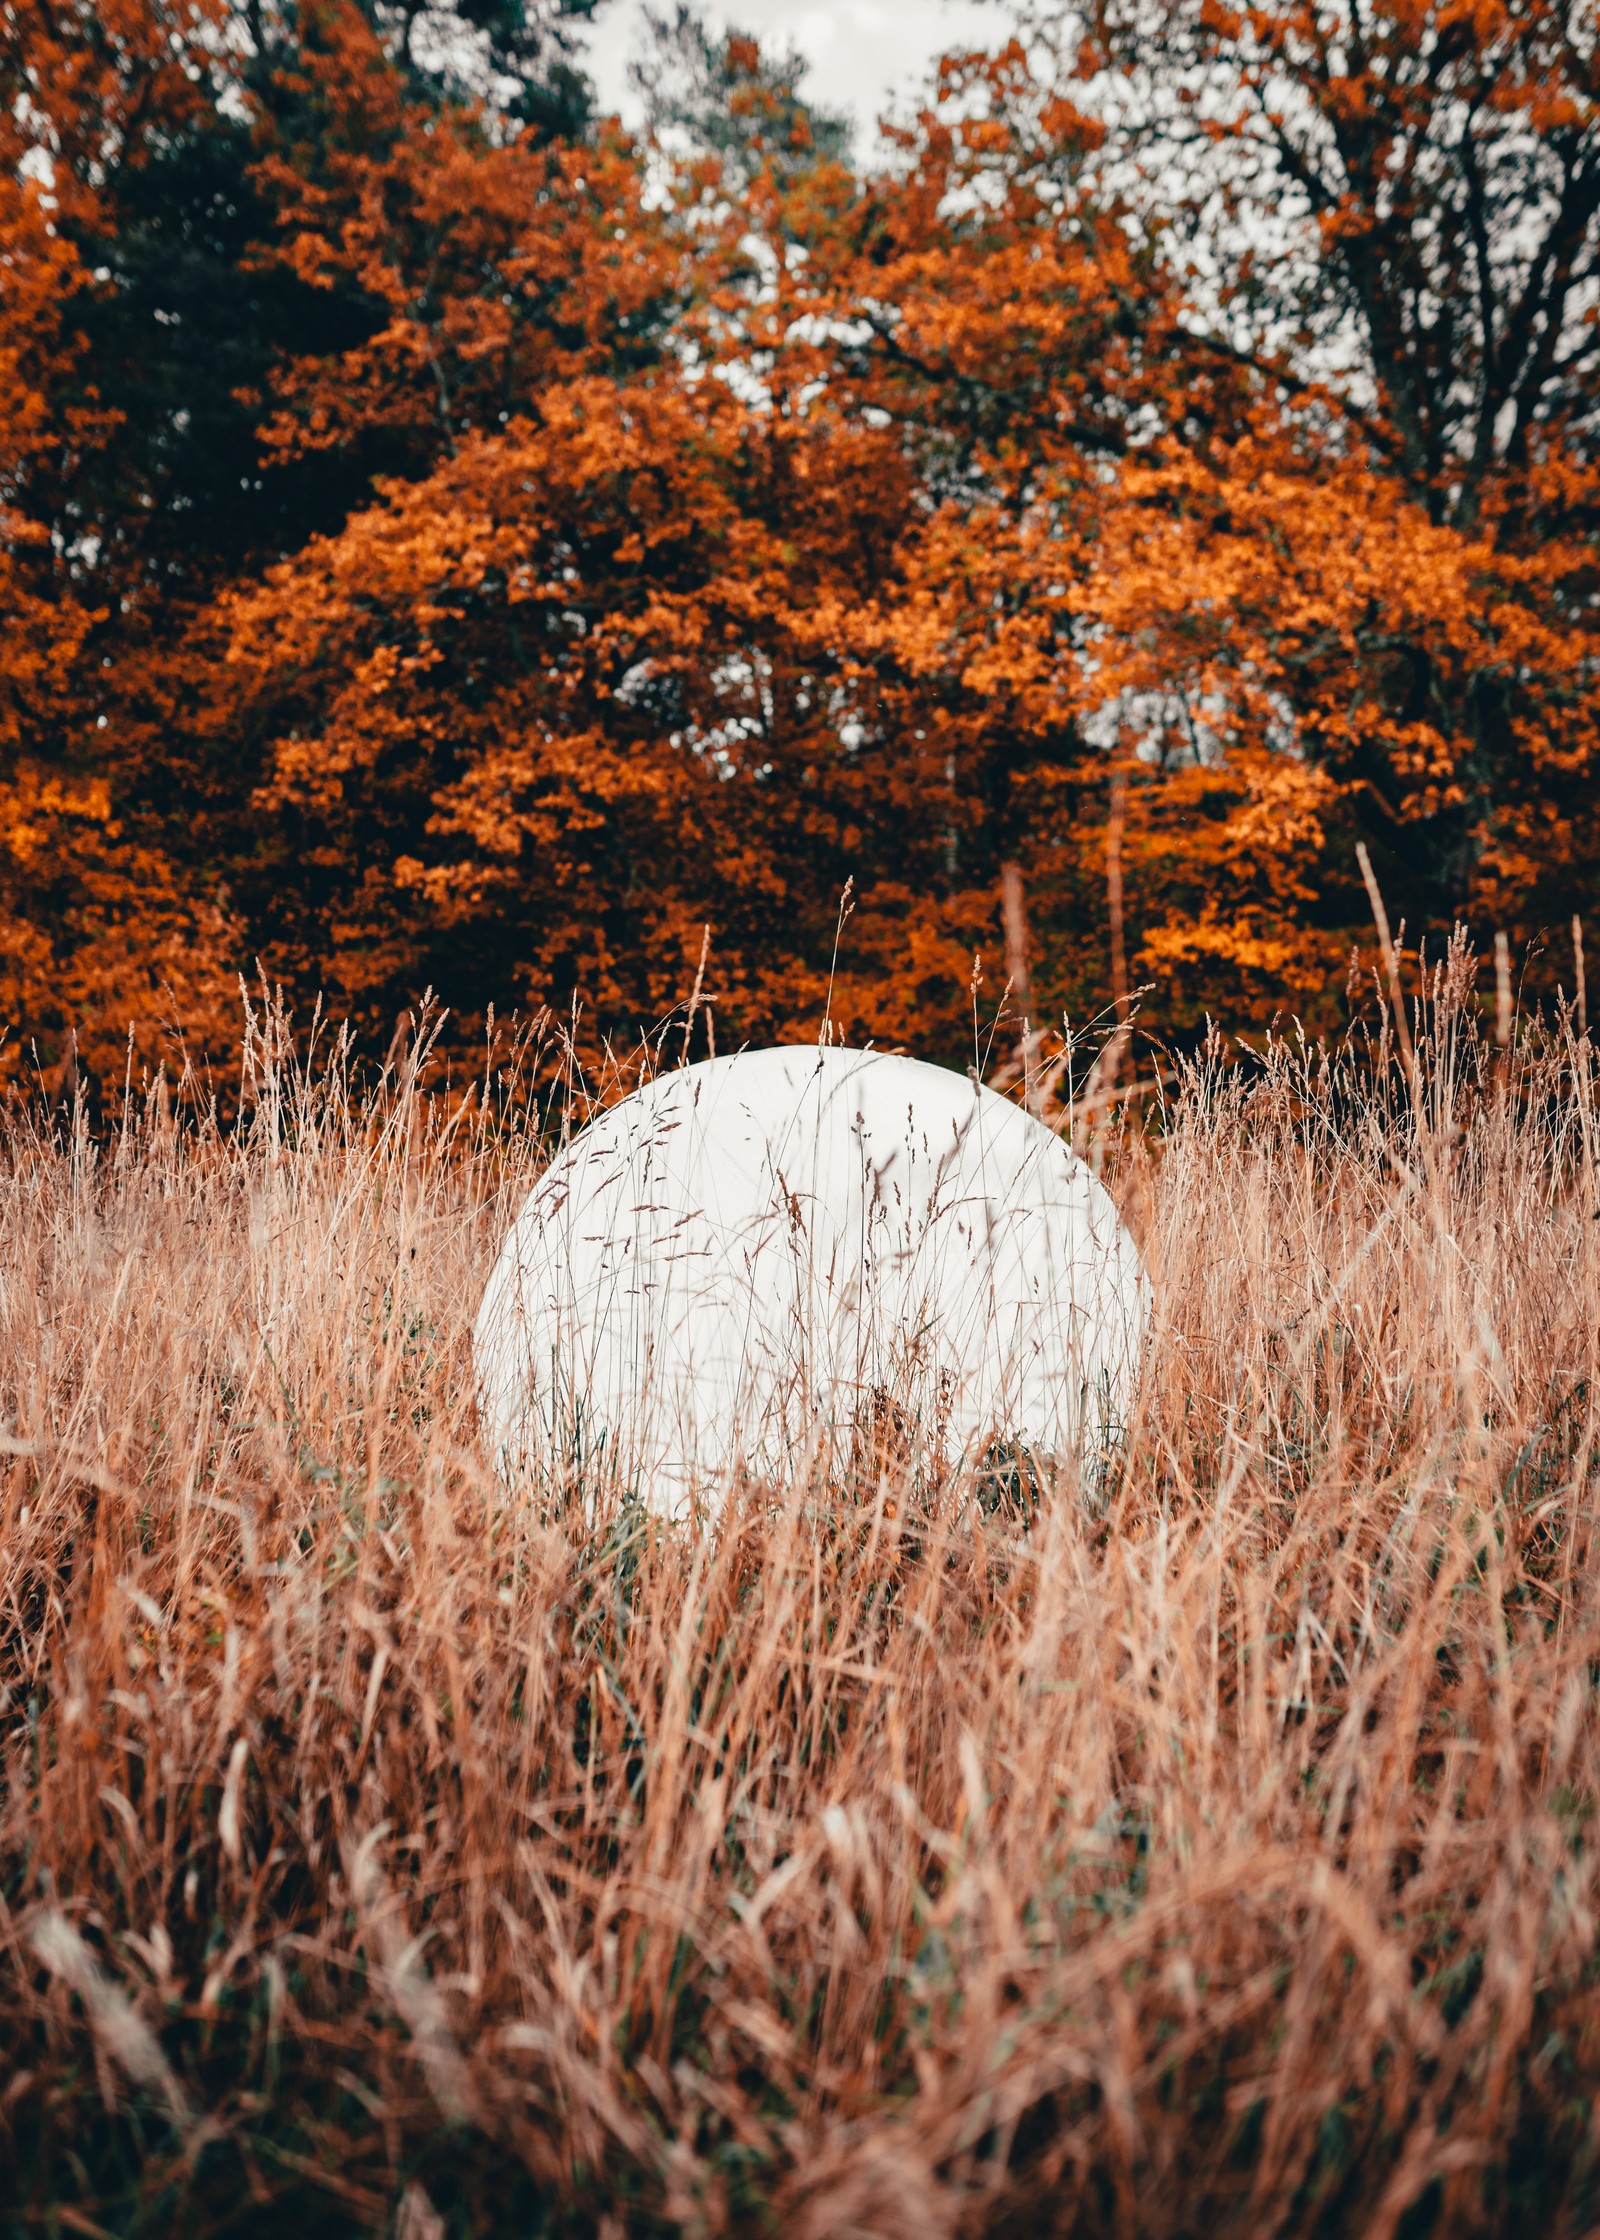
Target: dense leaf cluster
{"x": 448, "y": 542}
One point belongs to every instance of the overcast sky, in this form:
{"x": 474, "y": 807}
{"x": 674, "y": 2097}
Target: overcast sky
{"x": 863, "y": 53}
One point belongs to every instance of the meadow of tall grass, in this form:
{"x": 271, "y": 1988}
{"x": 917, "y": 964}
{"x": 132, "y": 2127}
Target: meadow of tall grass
{"x": 1210, "y": 1849}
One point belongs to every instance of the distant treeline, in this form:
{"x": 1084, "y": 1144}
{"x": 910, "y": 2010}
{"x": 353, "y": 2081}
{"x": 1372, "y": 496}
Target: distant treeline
{"x": 448, "y": 541}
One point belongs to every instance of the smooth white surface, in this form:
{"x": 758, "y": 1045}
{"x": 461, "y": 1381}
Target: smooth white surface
{"x": 742, "y": 1260}
{"x": 864, "y": 54}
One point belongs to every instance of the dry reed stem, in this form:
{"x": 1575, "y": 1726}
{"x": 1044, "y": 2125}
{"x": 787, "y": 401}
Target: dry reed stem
{"x": 1216, "y": 1853}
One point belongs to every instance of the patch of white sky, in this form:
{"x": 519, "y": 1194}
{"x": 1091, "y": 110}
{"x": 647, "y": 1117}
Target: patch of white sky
{"x": 865, "y": 57}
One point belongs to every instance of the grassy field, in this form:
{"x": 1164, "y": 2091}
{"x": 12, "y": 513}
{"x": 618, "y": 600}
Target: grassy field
{"x": 1212, "y": 1852}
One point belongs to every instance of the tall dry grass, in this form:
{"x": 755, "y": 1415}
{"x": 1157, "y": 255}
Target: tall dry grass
{"x": 1215, "y": 1854}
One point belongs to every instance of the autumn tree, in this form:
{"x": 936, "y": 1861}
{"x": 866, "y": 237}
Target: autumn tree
{"x": 697, "y": 645}
{"x": 98, "y": 928}
{"x": 193, "y": 307}
{"x": 1400, "y": 199}
{"x": 1387, "y": 216}
{"x": 148, "y": 311}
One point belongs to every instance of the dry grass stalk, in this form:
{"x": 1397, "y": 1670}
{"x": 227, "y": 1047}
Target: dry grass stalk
{"x": 1214, "y": 1852}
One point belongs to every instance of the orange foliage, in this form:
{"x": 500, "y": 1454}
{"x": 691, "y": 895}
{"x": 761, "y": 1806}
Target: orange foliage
{"x": 97, "y": 932}
{"x": 1320, "y": 655}
{"x": 697, "y": 643}
{"x": 708, "y": 550}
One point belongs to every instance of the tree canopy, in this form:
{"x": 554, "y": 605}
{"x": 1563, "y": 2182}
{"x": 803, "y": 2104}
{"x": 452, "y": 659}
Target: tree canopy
{"x": 449, "y": 542}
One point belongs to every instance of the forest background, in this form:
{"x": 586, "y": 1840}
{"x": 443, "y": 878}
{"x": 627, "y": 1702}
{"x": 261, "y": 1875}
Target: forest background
{"x": 451, "y": 542}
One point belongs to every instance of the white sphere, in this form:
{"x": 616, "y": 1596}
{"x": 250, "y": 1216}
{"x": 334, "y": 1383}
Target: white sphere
{"x": 753, "y": 1257}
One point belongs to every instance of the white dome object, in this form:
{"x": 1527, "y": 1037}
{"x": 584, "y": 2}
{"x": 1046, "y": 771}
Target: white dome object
{"x": 754, "y": 1254}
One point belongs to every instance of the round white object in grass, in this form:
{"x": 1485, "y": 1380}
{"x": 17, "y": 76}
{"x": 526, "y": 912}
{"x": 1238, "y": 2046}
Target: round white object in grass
{"x": 752, "y": 1259}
